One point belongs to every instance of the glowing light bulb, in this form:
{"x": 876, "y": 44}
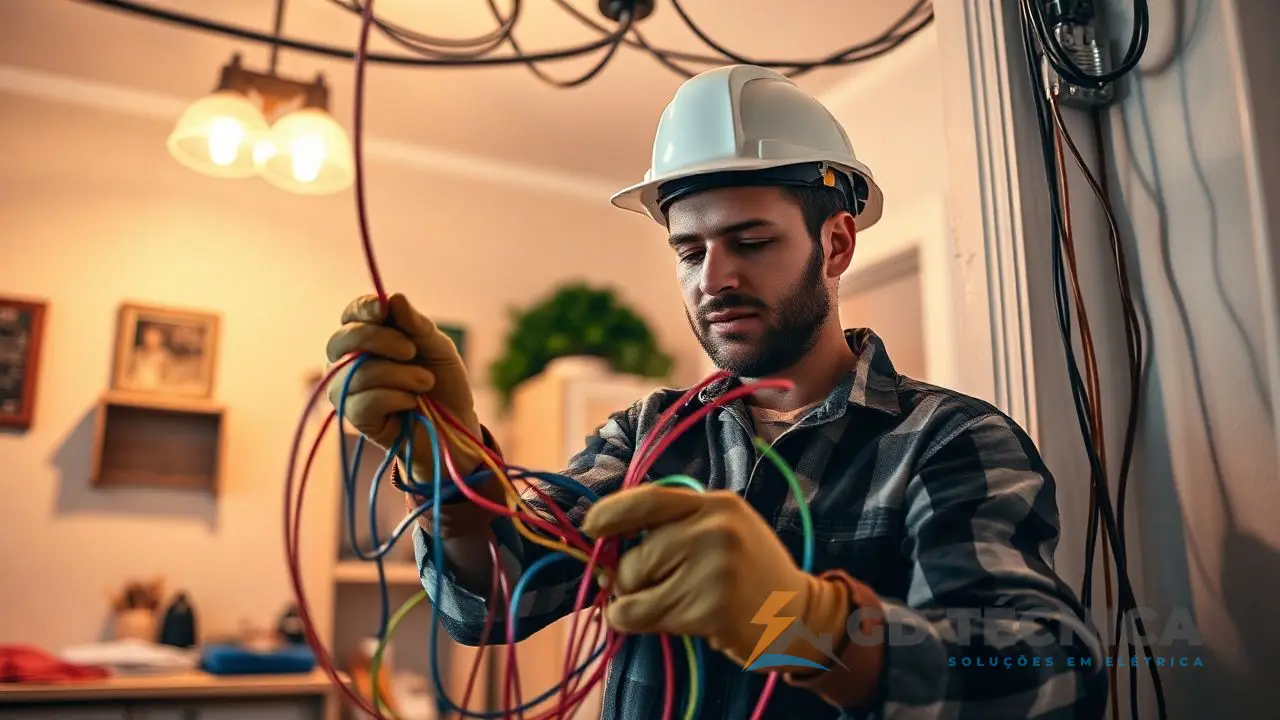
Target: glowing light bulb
{"x": 217, "y": 135}
{"x": 225, "y": 136}
{"x": 312, "y": 154}
{"x": 309, "y": 155}
{"x": 263, "y": 151}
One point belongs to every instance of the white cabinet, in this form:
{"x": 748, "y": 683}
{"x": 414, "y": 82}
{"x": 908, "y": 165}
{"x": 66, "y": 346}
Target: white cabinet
{"x": 551, "y": 417}
{"x": 553, "y": 413}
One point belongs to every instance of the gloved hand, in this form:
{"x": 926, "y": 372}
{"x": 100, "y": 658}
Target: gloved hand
{"x": 706, "y": 568}
{"x": 412, "y": 359}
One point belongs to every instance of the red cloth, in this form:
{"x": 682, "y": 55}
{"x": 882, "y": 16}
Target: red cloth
{"x": 24, "y": 663}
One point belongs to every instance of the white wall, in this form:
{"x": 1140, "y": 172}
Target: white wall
{"x": 94, "y": 212}
{"x": 1203, "y": 495}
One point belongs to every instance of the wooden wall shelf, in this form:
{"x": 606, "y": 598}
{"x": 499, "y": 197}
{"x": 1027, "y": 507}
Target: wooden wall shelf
{"x": 159, "y": 442}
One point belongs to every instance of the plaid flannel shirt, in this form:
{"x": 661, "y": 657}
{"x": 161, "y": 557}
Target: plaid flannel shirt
{"x": 937, "y": 501}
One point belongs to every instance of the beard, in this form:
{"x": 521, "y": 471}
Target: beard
{"x": 791, "y": 328}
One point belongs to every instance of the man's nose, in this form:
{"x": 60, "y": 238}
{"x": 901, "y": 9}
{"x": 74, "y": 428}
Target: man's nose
{"x": 720, "y": 272}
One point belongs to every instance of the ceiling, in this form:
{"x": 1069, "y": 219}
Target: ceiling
{"x": 602, "y": 129}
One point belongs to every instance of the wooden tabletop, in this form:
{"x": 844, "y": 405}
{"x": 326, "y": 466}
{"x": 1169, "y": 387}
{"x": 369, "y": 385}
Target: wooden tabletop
{"x": 155, "y": 686}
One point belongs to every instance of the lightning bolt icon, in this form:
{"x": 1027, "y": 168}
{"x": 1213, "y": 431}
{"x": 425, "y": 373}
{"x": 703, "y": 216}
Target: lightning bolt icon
{"x": 774, "y": 625}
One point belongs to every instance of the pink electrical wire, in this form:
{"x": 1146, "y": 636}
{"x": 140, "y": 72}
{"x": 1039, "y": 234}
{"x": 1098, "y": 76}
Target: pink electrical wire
{"x": 648, "y": 452}
{"x": 362, "y": 213}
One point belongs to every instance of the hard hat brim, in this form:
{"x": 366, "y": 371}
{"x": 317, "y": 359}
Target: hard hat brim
{"x": 644, "y": 198}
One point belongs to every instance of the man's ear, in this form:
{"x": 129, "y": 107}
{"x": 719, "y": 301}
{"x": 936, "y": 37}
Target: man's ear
{"x": 842, "y": 238}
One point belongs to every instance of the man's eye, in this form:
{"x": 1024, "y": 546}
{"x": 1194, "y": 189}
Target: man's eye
{"x": 691, "y": 256}
{"x": 753, "y": 244}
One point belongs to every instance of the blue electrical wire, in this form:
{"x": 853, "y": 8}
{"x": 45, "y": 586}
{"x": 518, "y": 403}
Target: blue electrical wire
{"x": 436, "y": 495}
{"x": 443, "y": 703}
{"x": 350, "y": 471}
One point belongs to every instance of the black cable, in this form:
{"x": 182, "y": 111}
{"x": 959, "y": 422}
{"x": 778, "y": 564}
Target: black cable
{"x": 1060, "y": 59}
{"x": 1133, "y": 348}
{"x": 431, "y": 51}
{"x": 278, "y": 28}
{"x": 1102, "y": 504}
{"x": 1133, "y": 336}
{"x": 332, "y": 51}
{"x": 887, "y": 37}
{"x": 661, "y": 58}
{"x": 675, "y": 5}
{"x": 442, "y": 47}
{"x": 877, "y": 46}
{"x": 849, "y": 55}
{"x": 619, "y": 35}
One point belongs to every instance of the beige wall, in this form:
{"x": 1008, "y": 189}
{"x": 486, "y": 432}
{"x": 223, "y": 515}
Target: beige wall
{"x": 893, "y": 308}
{"x": 897, "y": 130}
{"x": 95, "y": 213}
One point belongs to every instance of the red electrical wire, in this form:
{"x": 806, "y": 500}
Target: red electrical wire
{"x": 498, "y": 582}
{"x": 292, "y": 523}
{"x": 357, "y": 140}
{"x": 604, "y": 552}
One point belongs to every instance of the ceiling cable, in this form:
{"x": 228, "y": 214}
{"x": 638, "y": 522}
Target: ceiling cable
{"x": 423, "y": 50}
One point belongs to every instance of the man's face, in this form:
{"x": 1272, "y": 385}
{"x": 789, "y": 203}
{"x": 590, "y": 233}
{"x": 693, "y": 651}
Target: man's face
{"x": 754, "y": 282}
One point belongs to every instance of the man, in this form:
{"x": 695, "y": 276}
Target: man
{"x": 935, "y": 520}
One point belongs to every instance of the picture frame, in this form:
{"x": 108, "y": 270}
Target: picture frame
{"x": 21, "y": 337}
{"x": 458, "y": 335}
{"x": 166, "y": 351}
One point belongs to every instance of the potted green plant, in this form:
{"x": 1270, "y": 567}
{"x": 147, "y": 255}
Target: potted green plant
{"x": 576, "y": 320}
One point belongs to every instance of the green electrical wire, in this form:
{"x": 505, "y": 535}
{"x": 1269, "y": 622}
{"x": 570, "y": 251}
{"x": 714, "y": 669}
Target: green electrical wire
{"x": 806, "y": 521}
{"x": 683, "y": 480}
{"x": 691, "y": 710}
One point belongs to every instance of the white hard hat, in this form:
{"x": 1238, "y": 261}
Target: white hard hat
{"x": 747, "y": 125}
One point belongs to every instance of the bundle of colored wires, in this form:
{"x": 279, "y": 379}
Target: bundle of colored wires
{"x": 551, "y": 529}
{"x": 557, "y": 533}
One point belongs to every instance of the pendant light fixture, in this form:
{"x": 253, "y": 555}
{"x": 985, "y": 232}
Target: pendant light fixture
{"x": 265, "y": 125}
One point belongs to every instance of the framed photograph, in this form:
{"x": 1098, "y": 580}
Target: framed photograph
{"x": 458, "y": 335}
{"x": 21, "y": 332}
{"x": 166, "y": 351}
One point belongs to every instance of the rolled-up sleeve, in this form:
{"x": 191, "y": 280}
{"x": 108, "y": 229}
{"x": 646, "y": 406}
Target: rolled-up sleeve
{"x": 987, "y": 629}
{"x": 550, "y": 594}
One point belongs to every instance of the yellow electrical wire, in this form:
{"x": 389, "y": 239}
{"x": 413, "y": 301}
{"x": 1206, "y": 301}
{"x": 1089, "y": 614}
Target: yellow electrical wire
{"x": 693, "y": 678}
{"x": 375, "y": 667}
{"x": 514, "y": 502}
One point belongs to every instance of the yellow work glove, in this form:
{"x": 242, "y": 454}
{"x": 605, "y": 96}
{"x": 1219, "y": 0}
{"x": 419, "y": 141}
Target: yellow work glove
{"x": 707, "y": 567}
{"x": 411, "y": 358}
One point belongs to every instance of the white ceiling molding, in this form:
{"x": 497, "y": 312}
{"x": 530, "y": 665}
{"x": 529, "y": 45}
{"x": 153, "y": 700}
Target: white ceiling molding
{"x": 139, "y": 103}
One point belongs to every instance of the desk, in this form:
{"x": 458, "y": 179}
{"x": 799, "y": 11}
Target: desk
{"x": 181, "y": 696}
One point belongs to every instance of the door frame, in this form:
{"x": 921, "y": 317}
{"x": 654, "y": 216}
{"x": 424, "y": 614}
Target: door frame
{"x": 995, "y": 197}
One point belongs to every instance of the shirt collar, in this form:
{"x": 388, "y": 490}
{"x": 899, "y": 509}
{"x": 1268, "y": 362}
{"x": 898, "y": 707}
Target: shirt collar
{"x": 872, "y": 384}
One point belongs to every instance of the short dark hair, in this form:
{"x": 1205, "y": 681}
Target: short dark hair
{"x": 817, "y": 204}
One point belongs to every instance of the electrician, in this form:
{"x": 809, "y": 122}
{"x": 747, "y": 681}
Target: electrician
{"x": 935, "y": 518}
